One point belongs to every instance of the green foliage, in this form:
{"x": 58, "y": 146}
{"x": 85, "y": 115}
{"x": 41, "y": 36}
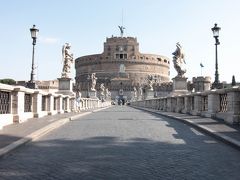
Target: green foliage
{"x": 233, "y": 81}
{"x": 8, "y": 81}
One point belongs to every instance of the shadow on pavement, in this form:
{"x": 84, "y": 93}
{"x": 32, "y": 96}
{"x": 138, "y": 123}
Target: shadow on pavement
{"x": 114, "y": 158}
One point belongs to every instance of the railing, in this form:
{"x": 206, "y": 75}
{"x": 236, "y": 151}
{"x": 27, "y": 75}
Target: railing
{"x": 205, "y": 103}
{"x": 27, "y": 103}
{"x": 17, "y": 104}
{"x": 4, "y": 102}
{"x": 223, "y": 104}
{"x": 55, "y": 103}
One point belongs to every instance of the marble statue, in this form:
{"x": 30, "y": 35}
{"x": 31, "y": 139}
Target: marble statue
{"x": 134, "y": 92}
{"x": 121, "y": 30}
{"x": 107, "y": 93}
{"x": 94, "y": 81}
{"x": 150, "y": 82}
{"x": 179, "y": 60}
{"x": 67, "y": 57}
{"x": 102, "y": 89}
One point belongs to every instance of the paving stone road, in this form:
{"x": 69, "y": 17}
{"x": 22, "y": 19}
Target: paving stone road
{"x": 123, "y": 143}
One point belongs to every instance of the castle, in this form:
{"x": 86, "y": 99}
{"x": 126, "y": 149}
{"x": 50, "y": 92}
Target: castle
{"x": 121, "y": 67}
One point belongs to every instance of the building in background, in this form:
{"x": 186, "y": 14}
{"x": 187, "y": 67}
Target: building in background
{"x": 121, "y": 67}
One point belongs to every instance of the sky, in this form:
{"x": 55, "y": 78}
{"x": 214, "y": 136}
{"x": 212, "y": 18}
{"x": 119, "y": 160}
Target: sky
{"x": 85, "y": 24}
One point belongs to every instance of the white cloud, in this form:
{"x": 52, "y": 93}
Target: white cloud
{"x": 49, "y": 40}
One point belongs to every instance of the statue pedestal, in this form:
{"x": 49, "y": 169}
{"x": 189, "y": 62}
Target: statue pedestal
{"x": 102, "y": 98}
{"x": 179, "y": 86}
{"x": 32, "y": 85}
{"x": 92, "y": 94}
{"x": 65, "y": 86}
{"x": 149, "y": 94}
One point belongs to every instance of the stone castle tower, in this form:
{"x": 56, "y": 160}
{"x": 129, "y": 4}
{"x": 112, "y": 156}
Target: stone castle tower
{"x": 121, "y": 67}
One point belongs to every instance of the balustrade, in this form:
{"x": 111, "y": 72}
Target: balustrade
{"x": 4, "y": 102}
{"x": 223, "y": 104}
{"x": 18, "y": 104}
{"x": 204, "y": 103}
{"x": 27, "y": 103}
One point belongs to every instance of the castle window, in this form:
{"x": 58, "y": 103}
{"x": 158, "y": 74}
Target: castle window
{"x": 159, "y": 59}
{"x": 121, "y": 56}
{"x": 165, "y": 60}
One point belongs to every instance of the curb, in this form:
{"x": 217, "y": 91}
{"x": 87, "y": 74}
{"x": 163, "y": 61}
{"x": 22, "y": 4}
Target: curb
{"x": 226, "y": 139}
{"x": 42, "y": 131}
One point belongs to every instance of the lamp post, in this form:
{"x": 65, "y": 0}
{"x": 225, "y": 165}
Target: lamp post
{"x": 216, "y": 84}
{"x": 31, "y": 84}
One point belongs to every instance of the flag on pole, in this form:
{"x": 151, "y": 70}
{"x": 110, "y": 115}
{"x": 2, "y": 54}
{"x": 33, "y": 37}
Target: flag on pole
{"x": 201, "y": 65}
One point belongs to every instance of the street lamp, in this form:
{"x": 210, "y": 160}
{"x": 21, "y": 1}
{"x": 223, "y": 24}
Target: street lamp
{"x": 31, "y": 84}
{"x": 216, "y": 84}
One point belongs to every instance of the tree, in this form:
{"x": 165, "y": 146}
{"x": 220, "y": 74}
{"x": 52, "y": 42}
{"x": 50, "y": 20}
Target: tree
{"x": 233, "y": 81}
{"x": 8, "y": 81}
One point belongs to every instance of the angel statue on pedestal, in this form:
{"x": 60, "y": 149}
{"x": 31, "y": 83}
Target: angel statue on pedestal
{"x": 67, "y": 60}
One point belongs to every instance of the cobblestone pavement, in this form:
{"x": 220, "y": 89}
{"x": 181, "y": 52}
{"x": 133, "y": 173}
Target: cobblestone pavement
{"x": 14, "y": 132}
{"x": 123, "y": 143}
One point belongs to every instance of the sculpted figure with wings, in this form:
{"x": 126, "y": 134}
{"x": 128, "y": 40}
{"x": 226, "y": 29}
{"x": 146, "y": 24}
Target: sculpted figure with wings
{"x": 179, "y": 60}
{"x": 67, "y": 60}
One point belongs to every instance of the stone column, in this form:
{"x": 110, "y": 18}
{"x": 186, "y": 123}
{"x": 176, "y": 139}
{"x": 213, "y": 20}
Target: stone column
{"x": 161, "y": 105}
{"x": 165, "y": 105}
{"x": 233, "y": 106}
{"x": 213, "y": 104}
{"x": 60, "y": 105}
{"x": 173, "y": 104}
{"x": 197, "y": 104}
{"x": 180, "y": 104}
{"x": 72, "y": 104}
{"x": 187, "y": 105}
{"x": 37, "y": 104}
{"x": 17, "y": 104}
{"x": 50, "y": 103}
{"x": 169, "y": 105}
{"x": 67, "y": 108}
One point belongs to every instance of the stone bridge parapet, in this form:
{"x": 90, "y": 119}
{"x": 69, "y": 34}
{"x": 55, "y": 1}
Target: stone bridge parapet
{"x": 222, "y": 104}
{"x": 17, "y": 104}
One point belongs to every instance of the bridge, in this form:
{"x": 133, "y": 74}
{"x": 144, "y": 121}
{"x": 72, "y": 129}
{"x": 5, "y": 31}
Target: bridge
{"x": 120, "y": 142}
